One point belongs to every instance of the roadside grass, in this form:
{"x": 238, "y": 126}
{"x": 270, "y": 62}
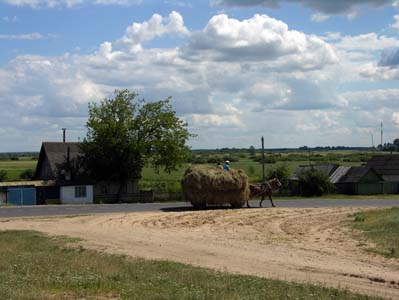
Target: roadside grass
{"x": 34, "y": 266}
{"x": 381, "y": 227}
{"x": 341, "y": 197}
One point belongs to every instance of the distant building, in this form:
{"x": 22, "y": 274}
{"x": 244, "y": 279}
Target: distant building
{"x": 293, "y": 185}
{"x": 357, "y": 181}
{"x": 326, "y": 169}
{"x": 362, "y": 180}
{"x": 57, "y": 161}
{"x": 386, "y": 165}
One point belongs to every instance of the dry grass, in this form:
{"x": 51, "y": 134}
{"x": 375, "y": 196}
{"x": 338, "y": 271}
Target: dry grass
{"x": 204, "y": 185}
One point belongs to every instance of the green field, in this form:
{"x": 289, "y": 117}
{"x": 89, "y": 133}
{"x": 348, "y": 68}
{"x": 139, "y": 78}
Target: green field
{"x": 380, "y": 227}
{"x": 240, "y": 160}
{"x": 14, "y": 168}
{"x": 34, "y": 266}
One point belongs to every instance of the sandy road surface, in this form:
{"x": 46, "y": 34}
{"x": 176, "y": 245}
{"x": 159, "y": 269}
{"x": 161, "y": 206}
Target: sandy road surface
{"x": 305, "y": 245}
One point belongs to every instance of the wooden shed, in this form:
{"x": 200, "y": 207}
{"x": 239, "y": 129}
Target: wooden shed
{"x": 23, "y": 192}
{"x": 358, "y": 181}
{"x": 387, "y": 166}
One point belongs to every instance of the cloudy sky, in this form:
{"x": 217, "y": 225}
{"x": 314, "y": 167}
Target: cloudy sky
{"x": 299, "y": 72}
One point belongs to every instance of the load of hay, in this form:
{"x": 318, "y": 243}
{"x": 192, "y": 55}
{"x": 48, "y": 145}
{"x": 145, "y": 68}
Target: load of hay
{"x": 203, "y": 185}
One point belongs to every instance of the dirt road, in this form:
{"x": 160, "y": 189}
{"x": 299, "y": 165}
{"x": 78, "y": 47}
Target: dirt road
{"x": 304, "y": 245}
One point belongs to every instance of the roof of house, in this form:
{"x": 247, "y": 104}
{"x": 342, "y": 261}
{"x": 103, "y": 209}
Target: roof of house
{"x": 338, "y": 174}
{"x": 385, "y": 165}
{"x": 356, "y": 174}
{"x": 327, "y": 169}
{"x": 57, "y": 153}
{"x": 35, "y": 183}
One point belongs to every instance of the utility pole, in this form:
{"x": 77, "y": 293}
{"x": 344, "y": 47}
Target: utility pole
{"x": 63, "y": 134}
{"x": 382, "y": 135}
{"x": 372, "y": 140}
{"x": 263, "y": 159}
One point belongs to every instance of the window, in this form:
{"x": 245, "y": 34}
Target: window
{"x": 80, "y": 191}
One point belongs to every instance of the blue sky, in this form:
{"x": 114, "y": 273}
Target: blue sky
{"x": 299, "y": 72}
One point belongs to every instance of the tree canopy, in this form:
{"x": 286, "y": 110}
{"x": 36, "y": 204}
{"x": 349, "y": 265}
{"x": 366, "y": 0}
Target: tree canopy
{"x": 126, "y": 133}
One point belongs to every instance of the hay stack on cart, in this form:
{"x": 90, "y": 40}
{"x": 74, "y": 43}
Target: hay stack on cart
{"x": 203, "y": 185}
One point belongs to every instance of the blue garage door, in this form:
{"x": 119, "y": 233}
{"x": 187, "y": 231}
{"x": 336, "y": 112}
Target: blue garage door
{"x": 22, "y": 196}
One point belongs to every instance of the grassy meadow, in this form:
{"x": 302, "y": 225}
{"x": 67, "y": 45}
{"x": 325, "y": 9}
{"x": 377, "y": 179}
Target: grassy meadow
{"x": 240, "y": 159}
{"x": 35, "y": 266}
{"x": 381, "y": 227}
{"x": 14, "y": 168}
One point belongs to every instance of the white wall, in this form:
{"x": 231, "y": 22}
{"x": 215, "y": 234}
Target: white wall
{"x": 67, "y": 195}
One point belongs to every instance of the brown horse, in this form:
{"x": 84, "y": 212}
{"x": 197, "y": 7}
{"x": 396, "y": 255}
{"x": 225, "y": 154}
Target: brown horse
{"x": 264, "y": 189}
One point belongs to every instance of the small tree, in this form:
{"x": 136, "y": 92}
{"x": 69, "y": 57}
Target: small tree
{"x": 3, "y": 175}
{"x": 314, "y": 183}
{"x": 252, "y": 150}
{"x": 28, "y": 174}
{"x": 125, "y": 133}
{"x": 280, "y": 172}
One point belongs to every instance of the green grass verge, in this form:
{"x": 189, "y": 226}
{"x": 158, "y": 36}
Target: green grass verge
{"x": 380, "y": 227}
{"x": 341, "y": 197}
{"x": 33, "y": 266}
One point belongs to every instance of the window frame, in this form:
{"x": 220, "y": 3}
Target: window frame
{"x": 81, "y": 191}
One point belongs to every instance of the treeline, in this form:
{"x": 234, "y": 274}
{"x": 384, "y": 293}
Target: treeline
{"x": 18, "y": 155}
{"x": 217, "y": 156}
{"x": 313, "y": 157}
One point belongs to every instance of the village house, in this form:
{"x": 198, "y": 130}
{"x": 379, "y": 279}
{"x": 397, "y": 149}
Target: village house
{"x": 56, "y": 161}
{"x": 388, "y": 167}
{"x": 357, "y": 181}
{"x": 360, "y": 180}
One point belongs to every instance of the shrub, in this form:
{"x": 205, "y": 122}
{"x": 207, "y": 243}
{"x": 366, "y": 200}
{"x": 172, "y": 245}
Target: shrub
{"x": 3, "y": 175}
{"x": 314, "y": 183}
{"x": 280, "y": 172}
{"x": 28, "y": 174}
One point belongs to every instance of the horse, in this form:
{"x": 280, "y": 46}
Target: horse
{"x": 264, "y": 189}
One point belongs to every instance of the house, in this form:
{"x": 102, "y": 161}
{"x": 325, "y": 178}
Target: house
{"x": 326, "y": 169}
{"x": 388, "y": 167}
{"x": 357, "y": 181}
{"x": 293, "y": 185}
{"x": 347, "y": 180}
{"x": 55, "y": 160}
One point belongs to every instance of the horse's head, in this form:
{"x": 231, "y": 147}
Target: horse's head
{"x": 275, "y": 184}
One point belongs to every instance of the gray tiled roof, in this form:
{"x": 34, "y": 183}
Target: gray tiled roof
{"x": 57, "y": 152}
{"x": 355, "y": 174}
{"x": 339, "y": 173}
{"x": 386, "y": 165}
{"x": 327, "y": 169}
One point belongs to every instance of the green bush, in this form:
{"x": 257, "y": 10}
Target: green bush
{"x": 314, "y": 183}
{"x": 280, "y": 172}
{"x": 28, "y": 174}
{"x": 3, "y": 175}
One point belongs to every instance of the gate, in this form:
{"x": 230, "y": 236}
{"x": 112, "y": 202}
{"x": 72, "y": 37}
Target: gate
{"x": 22, "y": 196}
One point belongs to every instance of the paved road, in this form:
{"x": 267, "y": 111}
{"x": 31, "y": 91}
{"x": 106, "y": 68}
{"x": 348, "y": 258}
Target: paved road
{"x": 54, "y": 210}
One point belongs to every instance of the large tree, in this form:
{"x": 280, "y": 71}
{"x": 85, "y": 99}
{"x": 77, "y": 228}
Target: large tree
{"x": 126, "y": 133}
